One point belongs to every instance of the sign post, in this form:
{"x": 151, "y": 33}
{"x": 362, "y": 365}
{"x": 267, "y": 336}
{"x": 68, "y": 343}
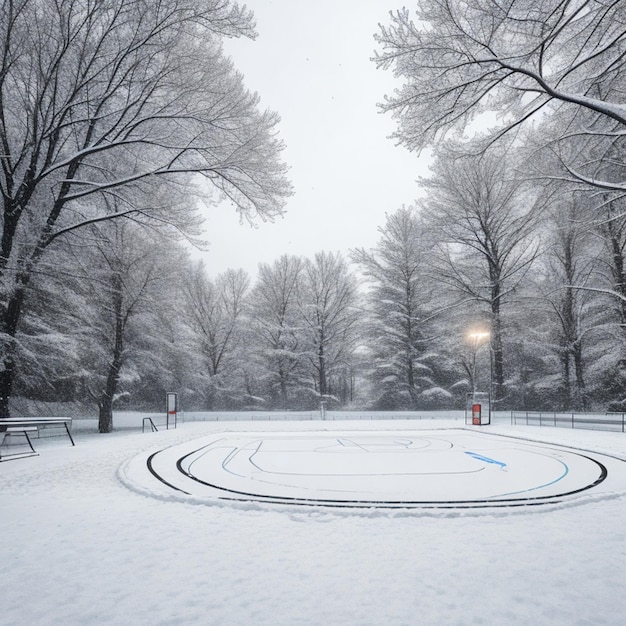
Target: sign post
{"x": 171, "y": 404}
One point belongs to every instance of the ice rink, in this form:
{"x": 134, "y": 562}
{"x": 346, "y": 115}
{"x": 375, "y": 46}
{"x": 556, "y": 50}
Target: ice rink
{"x": 438, "y": 468}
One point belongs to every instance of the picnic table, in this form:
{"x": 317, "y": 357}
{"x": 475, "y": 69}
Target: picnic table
{"x": 12, "y": 427}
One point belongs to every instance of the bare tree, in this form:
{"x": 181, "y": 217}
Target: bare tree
{"x": 100, "y": 99}
{"x": 609, "y": 290}
{"x": 214, "y": 312}
{"x": 329, "y": 318}
{"x": 483, "y": 223}
{"x": 611, "y": 228}
{"x": 274, "y": 319}
{"x": 518, "y": 58}
{"x": 135, "y": 271}
{"x": 570, "y": 260}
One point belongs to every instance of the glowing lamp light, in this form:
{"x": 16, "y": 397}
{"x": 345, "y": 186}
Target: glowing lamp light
{"x": 478, "y": 335}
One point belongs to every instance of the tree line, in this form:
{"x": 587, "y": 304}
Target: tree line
{"x": 124, "y": 315}
{"x": 508, "y": 276}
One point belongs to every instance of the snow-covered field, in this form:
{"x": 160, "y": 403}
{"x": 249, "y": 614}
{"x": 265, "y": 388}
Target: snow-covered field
{"x": 85, "y": 542}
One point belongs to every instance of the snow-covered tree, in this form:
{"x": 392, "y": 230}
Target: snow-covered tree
{"x": 50, "y": 341}
{"x": 273, "y": 312}
{"x": 483, "y": 222}
{"x": 557, "y": 322}
{"x": 463, "y": 58}
{"x": 329, "y": 317}
{"x": 608, "y": 288}
{"x": 126, "y": 274}
{"x": 99, "y": 100}
{"x": 214, "y": 311}
{"x": 400, "y": 301}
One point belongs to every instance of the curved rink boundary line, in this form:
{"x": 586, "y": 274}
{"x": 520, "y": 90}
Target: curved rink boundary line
{"x": 222, "y": 492}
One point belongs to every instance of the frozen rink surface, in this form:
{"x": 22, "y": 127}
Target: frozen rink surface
{"x": 438, "y": 468}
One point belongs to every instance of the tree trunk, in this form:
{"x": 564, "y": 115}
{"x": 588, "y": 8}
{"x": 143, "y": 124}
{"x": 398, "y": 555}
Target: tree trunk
{"x": 497, "y": 355}
{"x": 580, "y": 400}
{"x": 282, "y": 378}
{"x": 8, "y": 327}
{"x": 105, "y": 414}
{"x": 410, "y": 346}
{"x": 322, "y": 371}
{"x": 498, "y": 364}
{"x": 619, "y": 273}
{"x": 105, "y": 405}
{"x": 6, "y": 385}
{"x": 566, "y": 386}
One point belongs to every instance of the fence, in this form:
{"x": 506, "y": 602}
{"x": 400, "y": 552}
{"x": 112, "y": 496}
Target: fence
{"x": 588, "y": 421}
{"x": 227, "y": 416}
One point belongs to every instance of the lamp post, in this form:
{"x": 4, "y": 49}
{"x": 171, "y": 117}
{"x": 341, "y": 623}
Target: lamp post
{"x": 476, "y": 336}
{"x": 478, "y": 398}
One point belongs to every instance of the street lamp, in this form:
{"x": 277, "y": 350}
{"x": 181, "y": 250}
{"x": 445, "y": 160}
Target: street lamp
{"x": 476, "y": 336}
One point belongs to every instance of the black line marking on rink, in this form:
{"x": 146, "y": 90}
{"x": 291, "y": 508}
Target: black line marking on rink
{"x": 240, "y": 495}
{"x": 151, "y": 469}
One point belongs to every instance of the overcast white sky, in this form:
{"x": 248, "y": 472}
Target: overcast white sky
{"x": 311, "y": 64}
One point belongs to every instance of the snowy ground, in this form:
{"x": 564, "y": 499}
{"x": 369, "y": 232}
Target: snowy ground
{"x": 81, "y": 547}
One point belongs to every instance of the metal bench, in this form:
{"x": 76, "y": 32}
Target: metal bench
{"x": 9, "y": 449}
{"x": 11, "y": 426}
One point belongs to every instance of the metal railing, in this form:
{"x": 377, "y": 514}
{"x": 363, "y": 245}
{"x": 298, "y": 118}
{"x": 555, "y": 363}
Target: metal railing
{"x": 154, "y": 421}
{"x": 228, "y": 416}
{"x": 589, "y": 421}
{"x": 150, "y": 422}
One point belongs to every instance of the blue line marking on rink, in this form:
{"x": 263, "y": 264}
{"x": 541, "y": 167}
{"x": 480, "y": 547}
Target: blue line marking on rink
{"x": 552, "y": 482}
{"x": 486, "y": 459}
